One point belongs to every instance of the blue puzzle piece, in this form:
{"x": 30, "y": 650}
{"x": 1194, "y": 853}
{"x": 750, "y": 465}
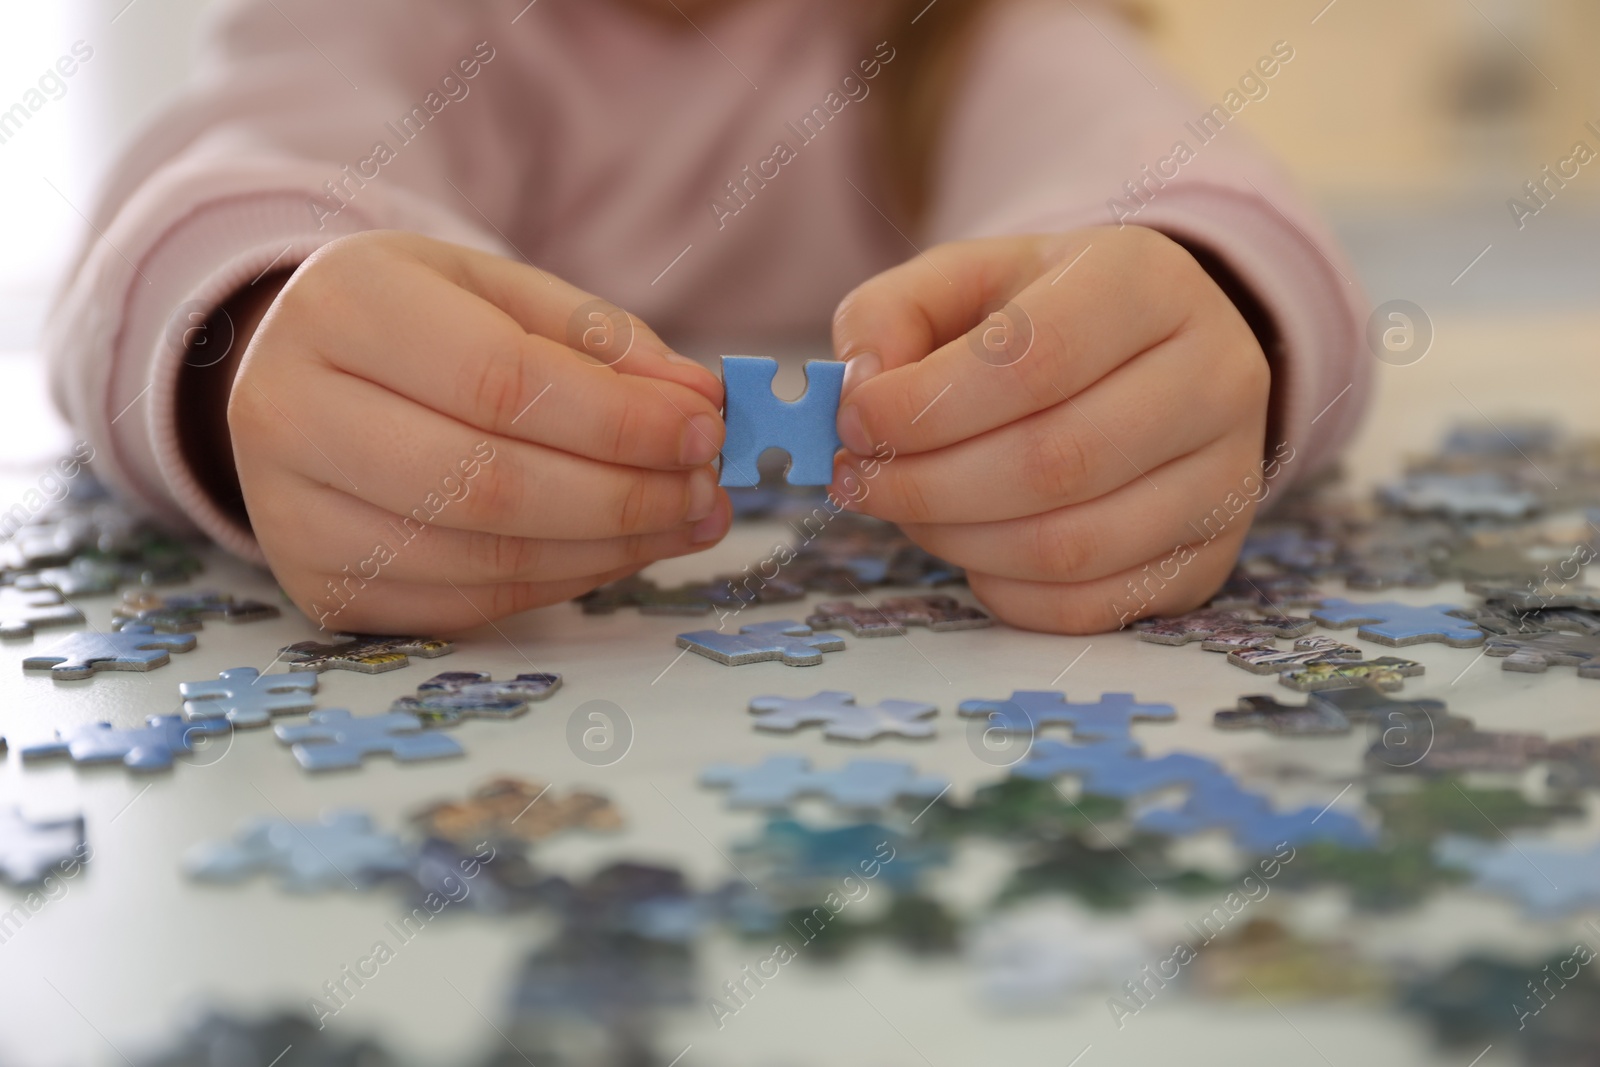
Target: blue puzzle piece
{"x": 798, "y": 857}
{"x": 1111, "y": 769}
{"x": 1219, "y": 803}
{"x": 30, "y": 850}
{"x": 757, "y": 420}
{"x": 1390, "y": 623}
{"x": 779, "y": 781}
{"x": 340, "y": 850}
{"x": 446, "y": 699}
{"x": 143, "y": 748}
{"x": 1550, "y": 881}
{"x": 786, "y": 640}
{"x": 245, "y": 697}
{"x": 1108, "y": 720}
{"x": 336, "y": 739}
{"x": 841, "y": 718}
{"x": 135, "y": 648}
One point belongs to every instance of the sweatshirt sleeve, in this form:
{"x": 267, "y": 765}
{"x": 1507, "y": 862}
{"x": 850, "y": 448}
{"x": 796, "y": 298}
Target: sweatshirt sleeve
{"x": 307, "y": 122}
{"x": 1066, "y": 123}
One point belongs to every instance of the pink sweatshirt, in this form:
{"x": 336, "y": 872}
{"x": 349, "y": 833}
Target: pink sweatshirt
{"x": 640, "y": 159}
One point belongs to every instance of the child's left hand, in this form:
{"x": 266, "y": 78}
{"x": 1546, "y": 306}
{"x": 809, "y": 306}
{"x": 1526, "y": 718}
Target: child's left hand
{"x": 1092, "y": 453}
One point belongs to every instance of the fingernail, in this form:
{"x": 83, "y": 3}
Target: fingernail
{"x": 857, "y": 369}
{"x": 712, "y": 527}
{"x": 702, "y": 494}
{"x": 852, "y": 432}
{"x": 699, "y": 444}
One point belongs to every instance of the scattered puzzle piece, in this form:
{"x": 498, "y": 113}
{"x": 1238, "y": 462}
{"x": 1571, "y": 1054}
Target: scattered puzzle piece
{"x": 342, "y": 849}
{"x": 1219, "y": 631}
{"x": 446, "y": 699}
{"x": 136, "y": 648}
{"x": 892, "y": 616}
{"x": 336, "y": 740}
{"x": 1535, "y": 653}
{"x": 367, "y": 653}
{"x": 779, "y": 781}
{"x": 1266, "y": 593}
{"x": 791, "y": 642}
{"x": 1534, "y": 596}
{"x": 757, "y": 420}
{"x": 1109, "y": 720}
{"x": 515, "y": 810}
{"x": 1218, "y": 803}
{"x": 1548, "y": 880}
{"x": 30, "y": 850}
{"x": 1306, "y": 651}
{"x": 187, "y": 612}
{"x": 1385, "y": 672}
{"x": 1311, "y": 719}
{"x": 151, "y": 747}
{"x": 841, "y": 718}
{"x": 247, "y": 698}
{"x": 1391, "y": 623}
{"x": 1460, "y": 496}
{"x": 21, "y": 610}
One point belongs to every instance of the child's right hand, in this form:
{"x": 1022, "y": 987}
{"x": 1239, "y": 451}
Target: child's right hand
{"x": 397, "y": 378}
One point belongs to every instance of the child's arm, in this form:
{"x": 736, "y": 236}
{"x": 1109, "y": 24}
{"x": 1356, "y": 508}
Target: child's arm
{"x": 266, "y": 157}
{"x": 1095, "y": 451}
{"x": 425, "y": 434}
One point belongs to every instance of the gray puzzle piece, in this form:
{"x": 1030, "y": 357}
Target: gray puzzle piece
{"x": 1535, "y": 596}
{"x": 150, "y": 747}
{"x": 247, "y": 698}
{"x": 1218, "y": 630}
{"x": 1109, "y": 720}
{"x": 182, "y": 613}
{"x": 1306, "y": 652}
{"x": 79, "y": 655}
{"x": 779, "y": 781}
{"x": 340, "y": 850}
{"x": 841, "y": 718}
{"x": 1314, "y": 718}
{"x": 365, "y": 653}
{"x": 1535, "y": 653}
{"x": 791, "y": 642}
{"x": 1390, "y": 623}
{"x": 21, "y": 610}
{"x": 334, "y": 739}
{"x": 30, "y": 850}
{"x": 446, "y": 699}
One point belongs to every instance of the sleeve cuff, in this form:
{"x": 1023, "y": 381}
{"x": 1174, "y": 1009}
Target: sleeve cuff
{"x": 189, "y": 241}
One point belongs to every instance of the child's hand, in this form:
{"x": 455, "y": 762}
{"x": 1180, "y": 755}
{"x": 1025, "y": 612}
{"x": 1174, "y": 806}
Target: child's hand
{"x": 420, "y": 449}
{"x": 1091, "y": 453}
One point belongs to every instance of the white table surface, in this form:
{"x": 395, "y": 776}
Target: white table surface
{"x": 109, "y": 969}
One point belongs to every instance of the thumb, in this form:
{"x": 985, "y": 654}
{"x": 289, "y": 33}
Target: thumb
{"x": 903, "y": 314}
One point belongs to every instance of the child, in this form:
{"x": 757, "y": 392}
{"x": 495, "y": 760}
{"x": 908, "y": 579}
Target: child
{"x": 340, "y": 308}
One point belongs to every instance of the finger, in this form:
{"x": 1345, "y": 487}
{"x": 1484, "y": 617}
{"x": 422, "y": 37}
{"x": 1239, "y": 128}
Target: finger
{"x": 1121, "y": 429}
{"x": 412, "y": 461}
{"x": 1161, "y": 586}
{"x": 1187, "y": 502}
{"x": 1049, "y": 341}
{"x": 347, "y": 536}
{"x": 383, "y": 607}
{"x": 450, "y": 349}
{"x": 547, "y": 306}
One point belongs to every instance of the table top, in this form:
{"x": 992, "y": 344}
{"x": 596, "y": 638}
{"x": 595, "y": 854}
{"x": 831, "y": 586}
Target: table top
{"x": 107, "y": 970}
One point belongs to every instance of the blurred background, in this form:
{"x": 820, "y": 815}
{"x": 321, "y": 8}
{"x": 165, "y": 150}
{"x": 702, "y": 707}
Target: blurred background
{"x": 1412, "y": 123}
